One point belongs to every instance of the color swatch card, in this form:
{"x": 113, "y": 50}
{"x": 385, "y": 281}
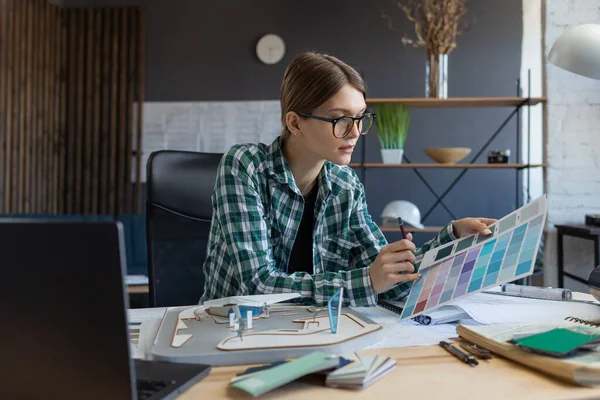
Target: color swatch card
{"x": 478, "y": 262}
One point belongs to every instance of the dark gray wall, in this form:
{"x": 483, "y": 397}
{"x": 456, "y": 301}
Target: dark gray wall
{"x": 205, "y": 51}
{"x": 201, "y": 50}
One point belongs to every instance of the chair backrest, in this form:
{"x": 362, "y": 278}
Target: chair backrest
{"x": 178, "y": 220}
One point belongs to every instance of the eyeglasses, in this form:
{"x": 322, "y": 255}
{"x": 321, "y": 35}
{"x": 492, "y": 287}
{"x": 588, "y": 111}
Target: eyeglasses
{"x": 343, "y": 125}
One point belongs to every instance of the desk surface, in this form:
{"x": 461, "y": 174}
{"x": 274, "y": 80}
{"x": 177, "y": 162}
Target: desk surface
{"x": 426, "y": 372}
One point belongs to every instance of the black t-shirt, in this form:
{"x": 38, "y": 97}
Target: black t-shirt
{"x": 301, "y": 258}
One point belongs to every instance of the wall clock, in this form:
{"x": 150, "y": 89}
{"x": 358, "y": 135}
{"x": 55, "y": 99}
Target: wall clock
{"x": 270, "y": 49}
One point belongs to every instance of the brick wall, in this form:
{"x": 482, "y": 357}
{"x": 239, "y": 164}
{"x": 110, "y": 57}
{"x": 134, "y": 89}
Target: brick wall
{"x": 573, "y": 146}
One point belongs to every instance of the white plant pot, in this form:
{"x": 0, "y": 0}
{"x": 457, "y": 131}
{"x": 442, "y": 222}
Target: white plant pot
{"x": 392, "y": 156}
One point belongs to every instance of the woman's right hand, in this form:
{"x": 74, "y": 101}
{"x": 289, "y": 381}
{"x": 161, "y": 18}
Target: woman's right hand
{"x": 394, "y": 264}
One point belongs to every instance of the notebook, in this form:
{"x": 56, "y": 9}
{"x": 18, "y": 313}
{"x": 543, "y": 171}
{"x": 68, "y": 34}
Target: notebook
{"x": 279, "y": 375}
{"x": 580, "y": 368}
{"x": 557, "y": 342}
{"x": 361, "y": 372}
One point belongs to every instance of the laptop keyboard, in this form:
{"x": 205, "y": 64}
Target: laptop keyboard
{"x": 146, "y": 388}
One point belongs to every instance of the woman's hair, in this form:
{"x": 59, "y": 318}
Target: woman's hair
{"x": 311, "y": 79}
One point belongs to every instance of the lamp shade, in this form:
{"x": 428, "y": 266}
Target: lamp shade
{"x": 578, "y": 50}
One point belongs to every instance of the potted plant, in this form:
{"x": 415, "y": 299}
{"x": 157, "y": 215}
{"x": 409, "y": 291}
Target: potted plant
{"x": 392, "y": 124}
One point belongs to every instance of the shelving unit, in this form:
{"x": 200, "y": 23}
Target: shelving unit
{"x": 455, "y": 166}
{"x": 461, "y": 101}
{"x": 517, "y": 103}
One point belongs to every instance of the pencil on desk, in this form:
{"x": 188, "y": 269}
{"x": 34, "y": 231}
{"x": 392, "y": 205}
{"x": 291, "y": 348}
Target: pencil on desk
{"x": 477, "y": 351}
{"x": 455, "y": 351}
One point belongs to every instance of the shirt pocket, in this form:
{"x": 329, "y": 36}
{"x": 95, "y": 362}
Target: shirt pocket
{"x": 337, "y": 249}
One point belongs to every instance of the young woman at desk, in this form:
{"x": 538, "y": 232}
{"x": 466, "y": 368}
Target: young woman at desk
{"x": 292, "y": 216}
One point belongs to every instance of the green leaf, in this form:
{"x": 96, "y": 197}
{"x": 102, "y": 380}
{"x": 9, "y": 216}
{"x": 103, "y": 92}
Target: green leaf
{"x": 392, "y": 122}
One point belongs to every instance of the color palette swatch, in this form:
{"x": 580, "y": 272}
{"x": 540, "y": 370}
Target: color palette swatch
{"x": 471, "y": 264}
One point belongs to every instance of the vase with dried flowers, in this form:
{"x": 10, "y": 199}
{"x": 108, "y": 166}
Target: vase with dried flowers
{"x": 436, "y": 25}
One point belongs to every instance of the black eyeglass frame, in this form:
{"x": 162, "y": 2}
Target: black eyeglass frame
{"x": 334, "y": 121}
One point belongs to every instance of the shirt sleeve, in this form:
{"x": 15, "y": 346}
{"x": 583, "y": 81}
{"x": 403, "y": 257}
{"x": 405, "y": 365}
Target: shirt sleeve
{"x": 241, "y": 216}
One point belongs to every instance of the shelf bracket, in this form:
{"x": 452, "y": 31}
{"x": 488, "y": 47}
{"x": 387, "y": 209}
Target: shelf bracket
{"x": 430, "y": 188}
{"x": 464, "y": 171}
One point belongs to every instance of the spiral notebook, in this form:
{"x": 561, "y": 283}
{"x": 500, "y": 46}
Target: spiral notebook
{"x": 582, "y": 368}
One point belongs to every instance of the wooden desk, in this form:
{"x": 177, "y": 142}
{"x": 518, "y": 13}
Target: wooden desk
{"x": 137, "y": 289}
{"x": 137, "y": 284}
{"x": 427, "y": 372}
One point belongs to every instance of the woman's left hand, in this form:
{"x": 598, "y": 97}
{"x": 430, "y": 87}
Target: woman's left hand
{"x": 469, "y": 226}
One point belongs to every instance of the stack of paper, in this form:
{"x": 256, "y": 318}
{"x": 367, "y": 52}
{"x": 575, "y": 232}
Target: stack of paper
{"x": 346, "y": 370}
{"x": 361, "y": 372}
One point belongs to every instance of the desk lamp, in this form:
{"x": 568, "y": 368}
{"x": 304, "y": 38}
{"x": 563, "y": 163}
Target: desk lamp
{"x": 577, "y": 50}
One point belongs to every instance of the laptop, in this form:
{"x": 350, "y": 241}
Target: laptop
{"x": 63, "y": 317}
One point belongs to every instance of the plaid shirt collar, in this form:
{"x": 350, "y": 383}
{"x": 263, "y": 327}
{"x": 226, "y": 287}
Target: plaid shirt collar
{"x": 279, "y": 168}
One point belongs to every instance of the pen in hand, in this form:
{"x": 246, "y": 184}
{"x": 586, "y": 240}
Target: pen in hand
{"x": 401, "y": 225}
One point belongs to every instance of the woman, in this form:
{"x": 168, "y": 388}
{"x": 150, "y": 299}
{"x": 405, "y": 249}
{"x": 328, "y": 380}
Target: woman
{"x": 292, "y": 217}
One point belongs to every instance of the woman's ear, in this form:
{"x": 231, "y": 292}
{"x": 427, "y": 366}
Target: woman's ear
{"x": 292, "y": 121}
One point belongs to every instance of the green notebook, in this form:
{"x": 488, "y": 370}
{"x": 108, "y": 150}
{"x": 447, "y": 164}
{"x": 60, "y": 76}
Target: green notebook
{"x": 278, "y": 376}
{"x": 556, "y": 342}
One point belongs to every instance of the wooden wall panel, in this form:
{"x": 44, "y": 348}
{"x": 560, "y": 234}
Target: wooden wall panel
{"x": 141, "y": 32}
{"x": 69, "y": 79}
{"x": 3, "y": 91}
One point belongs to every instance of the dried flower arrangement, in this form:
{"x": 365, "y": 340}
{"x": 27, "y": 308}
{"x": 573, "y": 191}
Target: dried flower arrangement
{"x": 436, "y": 25}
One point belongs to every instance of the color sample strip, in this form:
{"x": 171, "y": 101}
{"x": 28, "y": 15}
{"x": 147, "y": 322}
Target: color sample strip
{"x": 465, "y": 243}
{"x": 509, "y": 264}
{"x": 446, "y": 251}
{"x": 531, "y": 238}
{"x": 465, "y": 274}
{"x": 530, "y": 210}
{"x": 483, "y": 238}
{"x": 416, "y": 289}
{"x": 411, "y": 302}
{"x": 481, "y": 265}
{"x": 427, "y": 287}
{"x": 507, "y": 223}
{"x": 436, "y": 292}
{"x": 451, "y": 281}
{"x": 454, "y": 275}
{"x": 491, "y": 275}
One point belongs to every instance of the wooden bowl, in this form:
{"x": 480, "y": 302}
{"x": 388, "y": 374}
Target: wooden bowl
{"x": 447, "y": 155}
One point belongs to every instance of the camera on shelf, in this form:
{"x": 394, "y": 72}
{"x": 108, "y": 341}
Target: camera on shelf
{"x": 592, "y": 219}
{"x": 498, "y": 156}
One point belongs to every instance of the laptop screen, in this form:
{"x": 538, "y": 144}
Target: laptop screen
{"x": 64, "y": 330}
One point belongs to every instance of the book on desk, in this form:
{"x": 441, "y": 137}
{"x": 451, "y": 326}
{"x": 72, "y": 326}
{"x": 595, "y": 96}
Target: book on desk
{"x": 580, "y": 367}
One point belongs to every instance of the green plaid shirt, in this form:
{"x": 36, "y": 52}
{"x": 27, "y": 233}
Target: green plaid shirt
{"x": 257, "y": 209}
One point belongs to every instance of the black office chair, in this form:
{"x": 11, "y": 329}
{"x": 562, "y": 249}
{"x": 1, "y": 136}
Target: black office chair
{"x": 178, "y": 219}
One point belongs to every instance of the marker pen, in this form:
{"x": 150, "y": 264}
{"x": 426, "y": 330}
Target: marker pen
{"x": 538, "y": 292}
{"x": 401, "y": 225}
